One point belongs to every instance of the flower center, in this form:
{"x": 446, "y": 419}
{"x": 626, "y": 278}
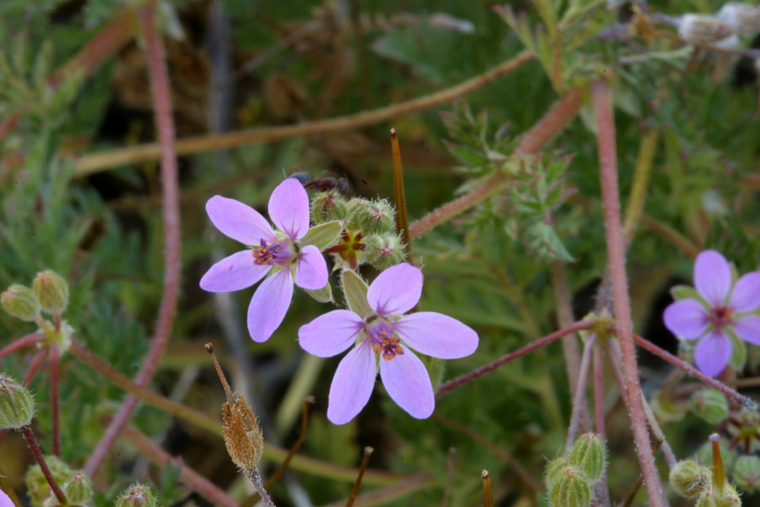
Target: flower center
{"x": 265, "y": 255}
{"x": 387, "y": 345}
{"x": 721, "y": 315}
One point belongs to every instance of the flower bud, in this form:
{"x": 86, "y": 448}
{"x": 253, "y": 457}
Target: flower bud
{"x": 589, "y": 455}
{"x": 328, "y": 206}
{"x": 52, "y": 291}
{"x": 21, "y": 302}
{"x": 37, "y": 485}
{"x": 728, "y": 497}
{"x": 242, "y": 434}
{"x": 710, "y": 404}
{"x": 554, "y": 469}
{"x": 702, "y": 29}
{"x": 689, "y": 479}
{"x": 383, "y": 251}
{"x": 747, "y": 473}
{"x": 571, "y": 489}
{"x": 78, "y": 488}
{"x": 706, "y": 500}
{"x": 744, "y": 19}
{"x": 16, "y": 404}
{"x": 372, "y": 217}
{"x": 137, "y": 495}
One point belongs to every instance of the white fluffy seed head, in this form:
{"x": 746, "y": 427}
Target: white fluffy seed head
{"x": 743, "y": 19}
{"x": 703, "y": 29}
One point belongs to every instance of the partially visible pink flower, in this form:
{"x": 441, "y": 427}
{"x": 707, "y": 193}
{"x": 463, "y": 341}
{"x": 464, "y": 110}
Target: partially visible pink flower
{"x": 387, "y": 336}
{"x": 5, "y": 500}
{"x": 280, "y": 252}
{"x": 724, "y": 308}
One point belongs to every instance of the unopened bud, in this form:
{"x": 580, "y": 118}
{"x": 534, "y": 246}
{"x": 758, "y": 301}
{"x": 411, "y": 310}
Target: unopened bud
{"x": 747, "y": 473}
{"x": 744, "y": 19}
{"x": 373, "y": 217}
{"x": 706, "y": 500}
{"x": 328, "y": 206}
{"x": 242, "y": 434}
{"x": 37, "y": 485}
{"x": 589, "y": 455}
{"x": 571, "y": 489}
{"x": 16, "y": 404}
{"x": 78, "y": 489}
{"x": 137, "y": 495}
{"x": 383, "y": 251}
{"x": 52, "y": 291}
{"x": 702, "y": 29}
{"x": 21, "y": 302}
{"x": 554, "y": 469}
{"x": 710, "y": 404}
{"x": 689, "y": 479}
{"x": 728, "y": 497}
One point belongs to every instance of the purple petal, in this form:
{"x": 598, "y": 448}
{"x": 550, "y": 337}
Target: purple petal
{"x": 5, "y": 500}
{"x": 686, "y": 319}
{"x": 352, "y": 384}
{"x": 748, "y": 328}
{"x": 269, "y": 304}
{"x": 311, "y": 269}
{"x": 235, "y": 272}
{"x": 713, "y": 353}
{"x": 712, "y": 276}
{"x": 437, "y": 335}
{"x": 407, "y": 381}
{"x": 746, "y": 294}
{"x": 396, "y": 290}
{"x": 331, "y": 333}
{"x": 289, "y": 208}
{"x": 239, "y": 221}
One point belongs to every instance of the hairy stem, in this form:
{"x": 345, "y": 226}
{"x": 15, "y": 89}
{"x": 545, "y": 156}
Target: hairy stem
{"x": 255, "y": 478}
{"x": 601, "y": 489}
{"x": 467, "y": 377}
{"x": 159, "y": 83}
{"x": 580, "y": 392}
{"x": 24, "y": 341}
{"x": 600, "y": 96}
{"x": 55, "y": 357}
{"x": 32, "y": 442}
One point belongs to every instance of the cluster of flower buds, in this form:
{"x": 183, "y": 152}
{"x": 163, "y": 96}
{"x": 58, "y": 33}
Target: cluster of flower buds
{"x": 709, "y": 486}
{"x": 710, "y": 405}
{"x": 38, "y": 487}
{"x": 369, "y": 234}
{"x": 570, "y": 478}
{"x": 137, "y": 495}
{"x": 16, "y": 404}
{"x": 49, "y": 293}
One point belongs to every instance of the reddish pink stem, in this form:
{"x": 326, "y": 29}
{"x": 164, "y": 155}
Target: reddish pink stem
{"x": 35, "y": 448}
{"x": 467, "y": 377}
{"x": 55, "y": 357}
{"x": 579, "y": 399}
{"x": 24, "y": 341}
{"x": 605, "y": 124}
{"x": 159, "y": 81}
{"x": 601, "y": 489}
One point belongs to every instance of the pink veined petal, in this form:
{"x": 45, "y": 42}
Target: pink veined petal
{"x": 746, "y": 294}
{"x": 239, "y": 221}
{"x": 713, "y": 353}
{"x": 269, "y": 304}
{"x": 235, "y": 272}
{"x": 5, "y": 500}
{"x": 407, "y": 381}
{"x": 311, "y": 269}
{"x": 712, "y": 276}
{"x": 437, "y": 335}
{"x": 289, "y": 208}
{"x": 352, "y": 384}
{"x": 331, "y": 333}
{"x": 748, "y": 328}
{"x": 396, "y": 290}
{"x": 686, "y": 319}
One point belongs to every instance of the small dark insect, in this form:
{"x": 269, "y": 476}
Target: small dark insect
{"x": 323, "y": 184}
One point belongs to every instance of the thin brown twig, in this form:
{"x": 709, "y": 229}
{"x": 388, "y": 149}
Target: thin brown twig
{"x": 35, "y": 448}
{"x": 54, "y": 357}
{"x": 159, "y": 83}
{"x": 355, "y": 490}
{"x": 97, "y": 162}
{"x": 467, "y": 377}
{"x": 487, "y": 494}
{"x": 385, "y": 496}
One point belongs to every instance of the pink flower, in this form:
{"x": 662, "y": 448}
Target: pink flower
{"x": 382, "y": 333}
{"x": 5, "y": 500}
{"x": 283, "y": 253}
{"x": 721, "y": 310}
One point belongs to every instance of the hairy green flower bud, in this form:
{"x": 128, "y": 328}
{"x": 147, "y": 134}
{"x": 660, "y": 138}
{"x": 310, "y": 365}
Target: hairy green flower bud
{"x": 589, "y": 455}
{"x": 78, "y": 489}
{"x": 39, "y": 490}
{"x": 689, "y": 479}
{"x": 571, "y": 489}
{"x": 705, "y": 500}
{"x": 710, "y": 404}
{"x": 52, "y": 291}
{"x": 383, "y": 251}
{"x": 16, "y": 404}
{"x": 21, "y": 302}
{"x": 137, "y": 495}
{"x": 728, "y": 497}
{"x": 328, "y": 206}
{"x": 554, "y": 470}
{"x": 372, "y": 217}
{"x": 747, "y": 473}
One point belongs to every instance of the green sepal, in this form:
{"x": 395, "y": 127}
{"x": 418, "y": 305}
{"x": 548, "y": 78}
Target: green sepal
{"x": 739, "y": 353}
{"x": 323, "y": 295}
{"x": 680, "y": 292}
{"x": 324, "y": 235}
{"x": 355, "y": 289}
